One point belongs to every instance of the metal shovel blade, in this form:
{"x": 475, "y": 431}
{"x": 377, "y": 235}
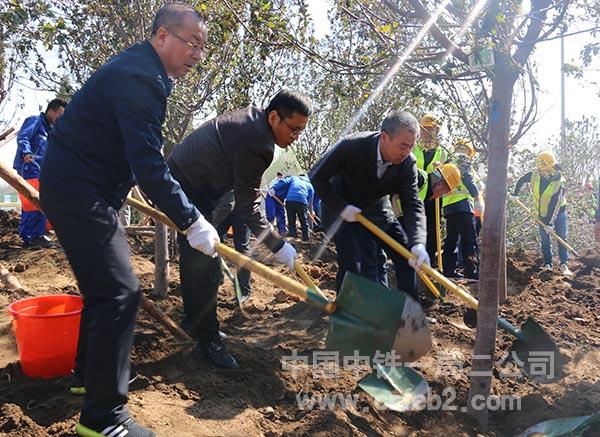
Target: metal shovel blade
{"x": 568, "y": 426}
{"x": 371, "y": 318}
{"x": 397, "y": 388}
{"x": 537, "y": 351}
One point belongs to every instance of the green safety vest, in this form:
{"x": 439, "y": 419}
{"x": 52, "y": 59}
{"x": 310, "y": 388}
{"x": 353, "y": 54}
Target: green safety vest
{"x": 541, "y": 201}
{"x": 422, "y": 193}
{"x": 419, "y": 153}
{"x": 459, "y": 193}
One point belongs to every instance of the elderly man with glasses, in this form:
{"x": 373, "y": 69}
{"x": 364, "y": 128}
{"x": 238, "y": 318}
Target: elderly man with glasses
{"x": 109, "y": 137}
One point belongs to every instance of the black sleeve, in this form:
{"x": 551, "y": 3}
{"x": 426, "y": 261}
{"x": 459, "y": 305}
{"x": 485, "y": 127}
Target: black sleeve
{"x": 249, "y": 166}
{"x": 526, "y": 178}
{"x": 324, "y": 170}
{"x": 139, "y": 112}
{"x": 412, "y": 207}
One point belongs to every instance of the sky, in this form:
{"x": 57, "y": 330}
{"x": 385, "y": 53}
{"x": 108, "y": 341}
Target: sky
{"x": 582, "y": 95}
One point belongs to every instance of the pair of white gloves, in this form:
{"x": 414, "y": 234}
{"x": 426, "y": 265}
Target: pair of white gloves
{"x": 202, "y": 236}
{"x": 418, "y": 250}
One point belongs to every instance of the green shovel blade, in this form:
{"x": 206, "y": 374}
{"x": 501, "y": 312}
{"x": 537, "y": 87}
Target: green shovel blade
{"x": 371, "y": 318}
{"x": 398, "y": 388}
{"x": 568, "y": 426}
{"x": 536, "y": 353}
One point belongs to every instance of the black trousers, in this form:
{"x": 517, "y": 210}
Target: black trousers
{"x": 96, "y": 246}
{"x": 241, "y": 242}
{"x": 300, "y": 210}
{"x": 353, "y": 246}
{"x": 461, "y": 224}
{"x": 200, "y": 277}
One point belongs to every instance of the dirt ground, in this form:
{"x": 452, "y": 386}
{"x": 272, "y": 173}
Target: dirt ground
{"x": 178, "y": 394}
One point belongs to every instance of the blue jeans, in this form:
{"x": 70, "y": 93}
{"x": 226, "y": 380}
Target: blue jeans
{"x": 560, "y": 227}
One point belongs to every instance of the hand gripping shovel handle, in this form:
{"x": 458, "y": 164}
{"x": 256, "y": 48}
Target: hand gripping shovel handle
{"x": 550, "y": 230}
{"x": 240, "y": 260}
{"x": 437, "y": 276}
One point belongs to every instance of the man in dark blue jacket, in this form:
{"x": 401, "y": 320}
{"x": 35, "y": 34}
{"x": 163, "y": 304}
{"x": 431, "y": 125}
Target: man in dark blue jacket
{"x": 109, "y": 136}
{"x": 32, "y": 141}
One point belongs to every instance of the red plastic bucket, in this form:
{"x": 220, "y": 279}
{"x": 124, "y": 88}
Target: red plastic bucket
{"x": 47, "y": 329}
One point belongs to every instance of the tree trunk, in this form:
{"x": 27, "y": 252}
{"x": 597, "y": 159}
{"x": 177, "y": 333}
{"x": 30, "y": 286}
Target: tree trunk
{"x": 502, "y": 291}
{"x": 161, "y": 260}
{"x": 492, "y": 234}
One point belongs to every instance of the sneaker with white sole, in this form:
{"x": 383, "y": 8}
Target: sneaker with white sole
{"x": 564, "y": 269}
{"x": 547, "y": 268}
{"x": 127, "y": 428}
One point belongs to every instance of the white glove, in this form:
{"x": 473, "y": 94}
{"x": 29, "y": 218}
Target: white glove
{"x": 202, "y": 236}
{"x": 349, "y": 213}
{"x": 420, "y": 252}
{"x": 286, "y": 255}
{"x": 271, "y": 192}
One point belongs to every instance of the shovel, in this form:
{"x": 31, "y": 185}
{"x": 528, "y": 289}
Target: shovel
{"x": 397, "y": 388}
{"x": 532, "y": 346}
{"x": 366, "y": 318}
{"x": 591, "y": 261}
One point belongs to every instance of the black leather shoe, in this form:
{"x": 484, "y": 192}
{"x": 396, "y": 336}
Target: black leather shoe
{"x": 215, "y": 351}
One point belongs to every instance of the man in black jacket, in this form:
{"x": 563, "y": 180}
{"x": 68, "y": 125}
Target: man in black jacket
{"x": 230, "y": 152}
{"x": 357, "y": 173}
{"x": 109, "y": 135}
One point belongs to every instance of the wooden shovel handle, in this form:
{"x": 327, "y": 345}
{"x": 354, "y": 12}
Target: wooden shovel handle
{"x": 551, "y": 231}
{"x": 437, "y": 276}
{"x": 240, "y": 260}
{"x": 308, "y": 280}
{"x": 164, "y": 320}
{"x": 18, "y": 183}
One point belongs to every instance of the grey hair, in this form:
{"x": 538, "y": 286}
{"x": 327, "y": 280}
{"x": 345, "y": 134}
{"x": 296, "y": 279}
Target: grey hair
{"x": 172, "y": 15}
{"x": 396, "y": 120}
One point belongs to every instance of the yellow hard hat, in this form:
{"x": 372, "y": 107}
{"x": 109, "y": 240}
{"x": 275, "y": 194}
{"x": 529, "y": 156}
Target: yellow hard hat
{"x": 429, "y": 121}
{"x": 451, "y": 175}
{"x": 545, "y": 161}
{"x": 464, "y": 145}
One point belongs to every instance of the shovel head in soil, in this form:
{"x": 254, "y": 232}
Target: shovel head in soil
{"x": 534, "y": 351}
{"x": 568, "y": 426}
{"x": 396, "y": 388}
{"x": 371, "y": 318}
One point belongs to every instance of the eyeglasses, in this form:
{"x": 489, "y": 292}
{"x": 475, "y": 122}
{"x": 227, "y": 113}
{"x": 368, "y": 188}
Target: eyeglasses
{"x": 295, "y": 131}
{"x": 192, "y": 47}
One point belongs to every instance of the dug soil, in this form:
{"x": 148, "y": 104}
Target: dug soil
{"x": 179, "y": 394}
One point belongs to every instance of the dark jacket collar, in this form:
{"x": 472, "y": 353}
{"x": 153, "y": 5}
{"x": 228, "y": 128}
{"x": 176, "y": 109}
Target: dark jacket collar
{"x": 147, "y": 47}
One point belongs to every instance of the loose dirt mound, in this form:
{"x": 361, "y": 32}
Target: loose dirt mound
{"x": 178, "y": 394}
